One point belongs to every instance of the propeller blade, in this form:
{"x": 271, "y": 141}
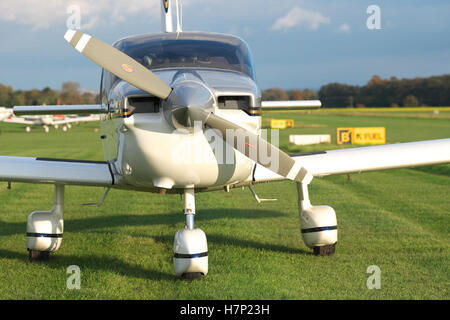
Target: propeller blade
{"x": 118, "y": 63}
{"x": 254, "y": 147}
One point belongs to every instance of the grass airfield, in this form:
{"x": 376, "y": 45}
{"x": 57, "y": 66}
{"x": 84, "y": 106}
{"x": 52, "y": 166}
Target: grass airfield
{"x": 397, "y": 220}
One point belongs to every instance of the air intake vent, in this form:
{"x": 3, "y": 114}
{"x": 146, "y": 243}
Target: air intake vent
{"x": 144, "y": 104}
{"x": 243, "y": 103}
{"x": 234, "y": 102}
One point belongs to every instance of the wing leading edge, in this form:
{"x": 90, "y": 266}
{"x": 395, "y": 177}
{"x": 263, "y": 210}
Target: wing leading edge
{"x": 55, "y": 171}
{"x": 355, "y": 160}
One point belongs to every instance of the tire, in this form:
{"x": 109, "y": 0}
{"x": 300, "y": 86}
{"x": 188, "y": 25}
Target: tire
{"x": 35, "y": 255}
{"x": 191, "y": 276}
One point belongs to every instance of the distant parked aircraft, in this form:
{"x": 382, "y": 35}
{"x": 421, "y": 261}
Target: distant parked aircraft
{"x": 4, "y": 113}
{"x": 47, "y": 120}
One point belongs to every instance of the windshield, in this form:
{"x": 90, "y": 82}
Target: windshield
{"x": 188, "y": 51}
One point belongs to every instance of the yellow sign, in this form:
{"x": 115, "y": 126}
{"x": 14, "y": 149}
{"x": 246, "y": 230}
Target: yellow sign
{"x": 370, "y": 135}
{"x": 281, "y": 123}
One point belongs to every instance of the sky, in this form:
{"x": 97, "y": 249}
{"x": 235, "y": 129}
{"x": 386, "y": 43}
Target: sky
{"x": 296, "y": 44}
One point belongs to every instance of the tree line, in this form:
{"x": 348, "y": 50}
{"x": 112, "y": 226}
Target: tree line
{"x": 432, "y": 91}
{"x": 70, "y": 93}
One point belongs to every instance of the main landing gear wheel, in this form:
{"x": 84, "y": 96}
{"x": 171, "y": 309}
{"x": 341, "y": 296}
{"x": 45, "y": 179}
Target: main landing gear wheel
{"x": 191, "y": 276}
{"x": 318, "y": 224}
{"x": 34, "y": 255}
{"x": 45, "y": 229}
{"x": 327, "y": 250}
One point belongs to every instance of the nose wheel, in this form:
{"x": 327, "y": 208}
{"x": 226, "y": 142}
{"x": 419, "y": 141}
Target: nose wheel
{"x": 190, "y": 245}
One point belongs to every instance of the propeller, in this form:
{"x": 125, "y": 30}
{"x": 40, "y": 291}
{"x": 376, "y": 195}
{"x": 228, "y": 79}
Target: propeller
{"x": 186, "y": 104}
{"x": 253, "y": 146}
{"x": 118, "y": 63}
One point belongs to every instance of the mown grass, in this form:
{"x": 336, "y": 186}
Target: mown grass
{"x": 397, "y": 220}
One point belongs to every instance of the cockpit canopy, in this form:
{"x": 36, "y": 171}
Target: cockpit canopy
{"x": 189, "y": 50}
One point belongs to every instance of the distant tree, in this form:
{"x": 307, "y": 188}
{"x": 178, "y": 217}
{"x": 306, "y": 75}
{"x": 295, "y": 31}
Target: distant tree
{"x": 18, "y": 98}
{"x": 275, "y": 94}
{"x": 295, "y": 95}
{"x": 98, "y": 99}
{"x": 410, "y": 101}
{"x": 373, "y": 94}
{"x": 433, "y": 91}
{"x": 49, "y": 96}
{"x": 375, "y": 81}
{"x": 6, "y": 95}
{"x": 88, "y": 98}
{"x": 70, "y": 93}
{"x": 336, "y": 95}
{"x": 393, "y": 78}
{"x": 70, "y": 87}
{"x": 309, "y": 94}
{"x": 33, "y": 97}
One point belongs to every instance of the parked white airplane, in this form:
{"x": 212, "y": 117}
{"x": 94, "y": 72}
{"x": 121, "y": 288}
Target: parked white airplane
{"x": 4, "y": 113}
{"x": 180, "y": 114}
{"x": 47, "y": 121}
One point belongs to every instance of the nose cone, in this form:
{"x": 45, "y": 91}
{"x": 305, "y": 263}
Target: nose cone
{"x": 186, "y": 97}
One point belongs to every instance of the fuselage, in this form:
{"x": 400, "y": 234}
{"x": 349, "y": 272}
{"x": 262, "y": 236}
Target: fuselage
{"x": 146, "y": 149}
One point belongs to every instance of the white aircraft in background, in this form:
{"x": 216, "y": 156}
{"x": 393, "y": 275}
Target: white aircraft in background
{"x": 5, "y": 113}
{"x": 46, "y": 121}
{"x": 174, "y": 106}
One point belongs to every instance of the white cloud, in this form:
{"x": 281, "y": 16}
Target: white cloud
{"x": 345, "y": 28}
{"x": 297, "y": 17}
{"x": 39, "y": 14}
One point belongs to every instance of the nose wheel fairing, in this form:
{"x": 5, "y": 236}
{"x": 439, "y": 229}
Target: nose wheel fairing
{"x": 190, "y": 256}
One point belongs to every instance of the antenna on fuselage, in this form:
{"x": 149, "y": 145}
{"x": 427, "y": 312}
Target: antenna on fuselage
{"x": 179, "y": 16}
{"x": 166, "y": 16}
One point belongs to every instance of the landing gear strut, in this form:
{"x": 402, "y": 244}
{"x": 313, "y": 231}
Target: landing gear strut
{"x": 190, "y": 246}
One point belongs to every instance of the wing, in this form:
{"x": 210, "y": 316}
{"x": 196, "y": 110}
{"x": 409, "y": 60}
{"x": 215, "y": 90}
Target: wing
{"x": 59, "y": 109}
{"x": 55, "y": 171}
{"x": 293, "y": 104}
{"x": 355, "y": 160}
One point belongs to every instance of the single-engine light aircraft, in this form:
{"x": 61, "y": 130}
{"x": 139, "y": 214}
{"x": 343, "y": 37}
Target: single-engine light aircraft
{"x": 46, "y": 121}
{"x": 180, "y": 113}
{"x": 5, "y": 113}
